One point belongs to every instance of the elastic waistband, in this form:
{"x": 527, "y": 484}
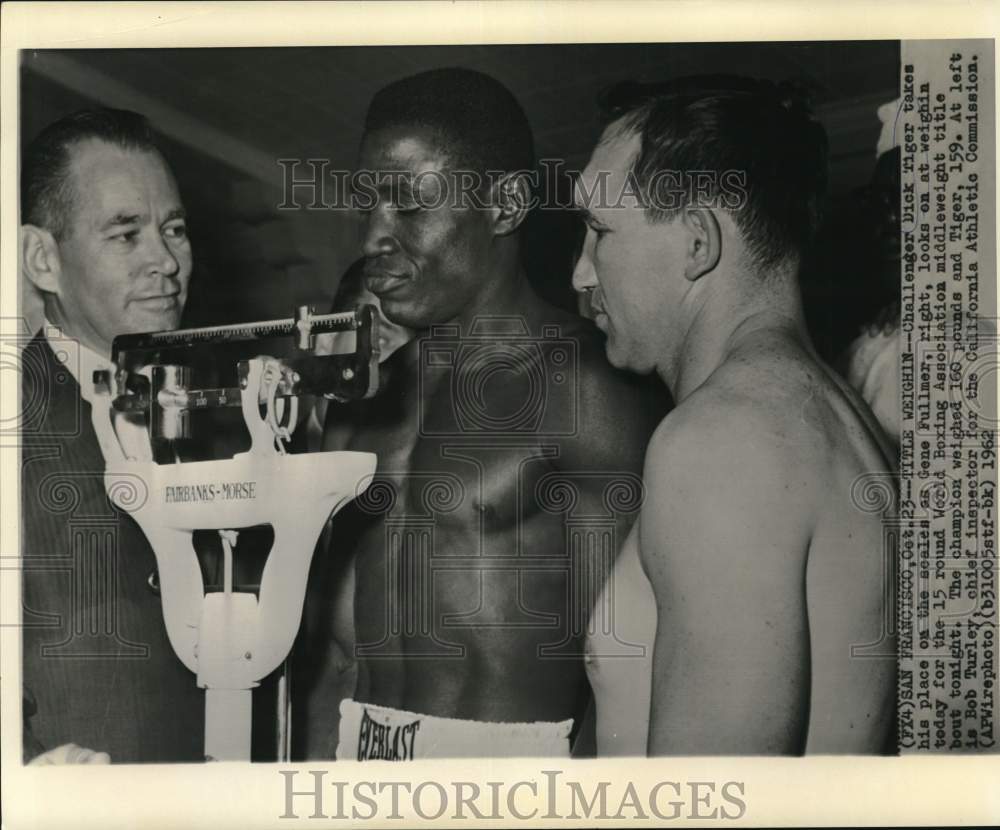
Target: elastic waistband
{"x": 369, "y": 732}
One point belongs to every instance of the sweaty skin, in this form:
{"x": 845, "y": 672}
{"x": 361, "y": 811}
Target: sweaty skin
{"x": 480, "y": 548}
{"x": 502, "y": 601}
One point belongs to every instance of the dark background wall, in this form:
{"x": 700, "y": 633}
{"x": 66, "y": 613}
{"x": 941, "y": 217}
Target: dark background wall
{"x": 227, "y": 116}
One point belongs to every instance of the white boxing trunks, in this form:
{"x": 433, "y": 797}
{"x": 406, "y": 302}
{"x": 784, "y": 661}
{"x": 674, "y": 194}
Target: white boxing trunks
{"x": 372, "y": 733}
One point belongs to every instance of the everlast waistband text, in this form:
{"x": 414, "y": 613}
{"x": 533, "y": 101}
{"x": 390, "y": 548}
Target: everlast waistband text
{"x": 384, "y": 742}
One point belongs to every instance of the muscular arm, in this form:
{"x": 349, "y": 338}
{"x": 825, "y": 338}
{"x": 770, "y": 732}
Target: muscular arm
{"x": 723, "y": 538}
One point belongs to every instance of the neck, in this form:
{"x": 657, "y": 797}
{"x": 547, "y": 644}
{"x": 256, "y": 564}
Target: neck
{"x": 723, "y": 323}
{"x": 54, "y": 314}
{"x": 505, "y": 292}
{"x": 405, "y": 356}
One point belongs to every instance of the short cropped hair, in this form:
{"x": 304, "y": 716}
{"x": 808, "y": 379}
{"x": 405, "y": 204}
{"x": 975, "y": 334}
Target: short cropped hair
{"x": 738, "y": 126}
{"x": 476, "y": 120}
{"x": 47, "y": 193}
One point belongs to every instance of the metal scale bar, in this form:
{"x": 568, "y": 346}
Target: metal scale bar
{"x": 258, "y": 330}
{"x": 166, "y": 394}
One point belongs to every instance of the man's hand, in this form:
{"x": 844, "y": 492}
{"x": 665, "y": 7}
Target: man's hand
{"x": 69, "y": 754}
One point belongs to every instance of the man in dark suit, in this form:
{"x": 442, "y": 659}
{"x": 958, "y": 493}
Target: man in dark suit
{"x": 103, "y": 238}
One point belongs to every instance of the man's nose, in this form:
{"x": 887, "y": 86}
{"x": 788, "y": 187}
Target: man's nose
{"x": 378, "y": 234}
{"x": 584, "y": 275}
{"x": 161, "y": 258}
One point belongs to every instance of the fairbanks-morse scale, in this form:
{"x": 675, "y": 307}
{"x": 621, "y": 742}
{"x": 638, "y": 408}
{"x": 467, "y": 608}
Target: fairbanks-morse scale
{"x": 231, "y": 639}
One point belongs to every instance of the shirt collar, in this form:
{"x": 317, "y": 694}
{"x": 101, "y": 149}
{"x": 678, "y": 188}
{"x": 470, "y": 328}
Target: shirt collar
{"x": 81, "y": 361}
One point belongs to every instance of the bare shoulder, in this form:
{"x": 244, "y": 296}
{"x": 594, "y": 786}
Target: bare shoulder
{"x": 775, "y": 402}
{"x": 769, "y": 446}
{"x": 729, "y": 430}
{"x": 613, "y": 412}
{"x": 731, "y": 476}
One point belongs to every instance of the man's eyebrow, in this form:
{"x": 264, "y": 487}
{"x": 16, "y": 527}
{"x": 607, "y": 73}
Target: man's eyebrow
{"x": 393, "y": 183}
{"x": 176, "y": 213}
{"x": 121, "y": 219}
{"x": 386, "y": 186}
{"x": 588, "y": 216}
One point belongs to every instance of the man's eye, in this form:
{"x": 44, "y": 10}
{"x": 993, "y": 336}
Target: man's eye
{"x": 403, "y": 203}
{"x": 126, "y": 236}
{"x": 176, "y": 231}
{"x": 592, "y": 225}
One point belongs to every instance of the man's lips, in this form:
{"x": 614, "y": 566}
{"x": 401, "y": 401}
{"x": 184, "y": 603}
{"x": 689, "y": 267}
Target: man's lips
{"x": 596, "y": 299}
{"x": 600, "y": 316}
{"x": 383, "y": 282}
{"x": 157, "y": 302}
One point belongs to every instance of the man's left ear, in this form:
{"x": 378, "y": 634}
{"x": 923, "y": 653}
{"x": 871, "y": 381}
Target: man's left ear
{"x": 40, "y": 261}
{"x": 704, "y": 242}
{"x": 512, "y": 201}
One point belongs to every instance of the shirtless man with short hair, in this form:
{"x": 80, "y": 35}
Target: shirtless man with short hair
{"x": 765, "y": 574}
{"x": 509, "y": 450}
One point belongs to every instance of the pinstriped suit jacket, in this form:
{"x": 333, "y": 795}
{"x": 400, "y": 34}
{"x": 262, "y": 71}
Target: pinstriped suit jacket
{"x": 96, "y": 659}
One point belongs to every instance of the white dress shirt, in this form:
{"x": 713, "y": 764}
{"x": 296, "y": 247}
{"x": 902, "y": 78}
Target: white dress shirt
{"x": 81, "y": 362}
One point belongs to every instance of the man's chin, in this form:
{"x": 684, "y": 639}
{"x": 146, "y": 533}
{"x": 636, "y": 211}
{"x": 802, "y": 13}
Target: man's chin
{"x": 614, "y": 358}
{"x": 621, "y": 359}
{"x": 154, "y": 321}
{"x": 405, "y": 314}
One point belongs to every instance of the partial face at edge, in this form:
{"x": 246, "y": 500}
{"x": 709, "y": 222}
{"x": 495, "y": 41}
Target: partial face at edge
{"x": 427, "y": 261}
{"x": 125, "y": 261}
{"x": 631, "y": 265}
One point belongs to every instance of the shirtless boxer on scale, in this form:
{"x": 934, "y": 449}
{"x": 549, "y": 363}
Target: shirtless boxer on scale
{"x": 766, "y": 575}
{"x": 508, "y": 471}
